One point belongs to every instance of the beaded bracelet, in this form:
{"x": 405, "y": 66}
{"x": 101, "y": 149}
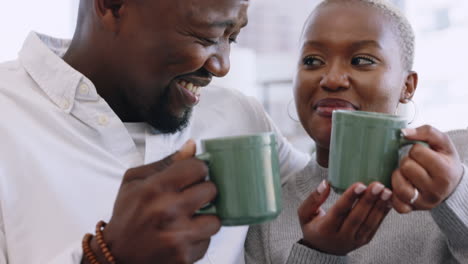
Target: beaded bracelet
{"x": 102, "y": 244}
{"x": 87, "y": 249}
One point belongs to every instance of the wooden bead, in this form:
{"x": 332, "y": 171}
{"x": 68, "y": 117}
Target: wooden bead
{"x": 102, "y": 244}
{"x": 87, "y": 252}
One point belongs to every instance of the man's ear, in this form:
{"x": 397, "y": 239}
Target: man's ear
{"x": 109, "y": 13}
{"x": 409, "y": 89}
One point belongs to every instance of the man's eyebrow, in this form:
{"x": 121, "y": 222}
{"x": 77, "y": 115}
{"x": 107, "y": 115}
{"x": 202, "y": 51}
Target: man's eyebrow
{"x": 223, "y": 24}
{"x": 227, "y": 23}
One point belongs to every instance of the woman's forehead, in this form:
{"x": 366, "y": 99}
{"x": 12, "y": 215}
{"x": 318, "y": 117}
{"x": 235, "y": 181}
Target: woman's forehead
{"x": 358, "y": 21}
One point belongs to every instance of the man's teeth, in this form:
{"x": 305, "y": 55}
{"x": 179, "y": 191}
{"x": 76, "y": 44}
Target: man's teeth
{"x": 191, "y": 87}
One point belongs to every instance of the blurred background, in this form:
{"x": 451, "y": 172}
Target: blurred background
{"x": 263, "y": 61}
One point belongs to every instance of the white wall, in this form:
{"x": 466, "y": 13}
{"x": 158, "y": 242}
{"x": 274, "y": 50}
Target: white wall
{"x": 19, "y": 17}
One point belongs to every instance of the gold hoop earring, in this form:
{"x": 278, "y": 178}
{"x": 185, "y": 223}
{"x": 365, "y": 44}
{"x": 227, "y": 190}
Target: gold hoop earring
{"x": 415, "y": 111}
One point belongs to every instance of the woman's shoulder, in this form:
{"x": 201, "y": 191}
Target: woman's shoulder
{"x": 460, "y": 140}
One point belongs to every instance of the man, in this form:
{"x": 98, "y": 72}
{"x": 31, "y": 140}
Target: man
{"x": 78, "y": 115}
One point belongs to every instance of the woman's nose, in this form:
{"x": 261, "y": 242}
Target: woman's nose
{"x": 336, "y": 79}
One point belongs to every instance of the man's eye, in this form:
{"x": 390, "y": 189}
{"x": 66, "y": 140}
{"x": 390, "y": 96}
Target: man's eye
{"x": 232, "y": 40}
{"x": 362, "y": 60}
{"x": 211, "y": 41}
{"x": 312, "y": 61}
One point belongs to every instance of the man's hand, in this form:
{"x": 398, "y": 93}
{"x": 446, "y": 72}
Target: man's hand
{"x": 349, "y": 224}
{"x": 154, "y": 217}
{"x": 427, "y": 176}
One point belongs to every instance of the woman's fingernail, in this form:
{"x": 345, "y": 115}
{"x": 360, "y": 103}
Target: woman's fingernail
{"x": 322, "y": 186}
{"x": 360, "y": 188}
{"x": 386, "y": 194}
{"x": 407, "y": 132}
{"x": 377, "y": 188}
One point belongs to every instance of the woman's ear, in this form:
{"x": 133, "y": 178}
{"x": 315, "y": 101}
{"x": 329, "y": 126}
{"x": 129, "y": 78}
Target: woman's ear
{"x": 109, "y": 13}
{"x": 409, "y": 89}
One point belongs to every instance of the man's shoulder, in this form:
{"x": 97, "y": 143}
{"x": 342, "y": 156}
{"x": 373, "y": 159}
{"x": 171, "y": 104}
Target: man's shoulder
{"x": 215, "y": 98}
{"x": 12, "y": 75}
{"x": 17, "y": 89}
{"x": 229, "y": 102}
{"x": 230, "y": 111}
{"x": 8, "y": 70}
{"x": 218, "y": 94}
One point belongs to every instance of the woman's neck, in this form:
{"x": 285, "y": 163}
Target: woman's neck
{"x": 322, "y": 156}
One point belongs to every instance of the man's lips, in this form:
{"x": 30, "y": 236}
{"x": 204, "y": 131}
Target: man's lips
{"x": 325, "y": 107}
{"x": 190, "y": 87}
{"x": 189, "y": 93}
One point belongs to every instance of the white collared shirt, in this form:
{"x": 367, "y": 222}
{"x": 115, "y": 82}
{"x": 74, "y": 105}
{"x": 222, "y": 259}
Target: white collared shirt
{"x": 63, "y": 153}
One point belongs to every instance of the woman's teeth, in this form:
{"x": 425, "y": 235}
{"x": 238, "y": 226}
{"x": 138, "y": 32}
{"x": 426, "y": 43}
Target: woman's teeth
{"x": 191, "y": 87}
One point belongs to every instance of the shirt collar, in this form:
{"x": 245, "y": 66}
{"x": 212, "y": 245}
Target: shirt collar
{"x": 41, "y": 56}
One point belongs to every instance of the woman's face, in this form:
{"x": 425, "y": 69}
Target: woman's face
{"x": 350, "y": 59}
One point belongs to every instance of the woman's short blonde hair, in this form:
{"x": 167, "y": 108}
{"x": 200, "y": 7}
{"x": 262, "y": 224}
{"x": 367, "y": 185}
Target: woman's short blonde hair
{"x": 402, "y": 27}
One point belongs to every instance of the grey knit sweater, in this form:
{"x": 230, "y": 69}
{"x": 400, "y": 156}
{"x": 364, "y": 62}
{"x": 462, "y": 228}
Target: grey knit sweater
{"x": 437, "y": 236}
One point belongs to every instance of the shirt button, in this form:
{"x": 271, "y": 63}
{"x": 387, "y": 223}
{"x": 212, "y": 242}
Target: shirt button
{"x": 83, "y": 89}
{"x": 65, "y": 104}
{"x": 103, "y": 120}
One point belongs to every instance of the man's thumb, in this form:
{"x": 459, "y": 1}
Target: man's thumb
{"x": 187, "y": 151}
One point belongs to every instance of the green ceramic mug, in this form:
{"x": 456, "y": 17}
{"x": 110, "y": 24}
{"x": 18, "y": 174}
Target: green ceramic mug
{"x": 245, "y": 170}
{"x": 364, "y": 147}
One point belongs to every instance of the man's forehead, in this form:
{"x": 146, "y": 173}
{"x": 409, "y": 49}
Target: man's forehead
{"x": 223, "y": 13}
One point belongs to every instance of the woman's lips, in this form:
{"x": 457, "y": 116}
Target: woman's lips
{"x": 325, "y": 107}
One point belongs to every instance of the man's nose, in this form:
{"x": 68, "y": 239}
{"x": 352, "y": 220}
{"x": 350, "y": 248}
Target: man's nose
{"x": 219, "y": 63}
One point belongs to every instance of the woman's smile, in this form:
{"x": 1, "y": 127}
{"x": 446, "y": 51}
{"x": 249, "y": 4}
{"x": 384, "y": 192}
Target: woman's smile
{"x": 326, "y": 106}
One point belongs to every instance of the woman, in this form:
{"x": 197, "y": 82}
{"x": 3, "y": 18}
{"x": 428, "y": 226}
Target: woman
{"x": 358, "y": 55}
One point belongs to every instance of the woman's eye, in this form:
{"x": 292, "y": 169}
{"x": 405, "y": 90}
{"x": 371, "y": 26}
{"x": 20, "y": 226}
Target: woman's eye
{"x": 312, "y": 61}
{"x": 359, "y": 61}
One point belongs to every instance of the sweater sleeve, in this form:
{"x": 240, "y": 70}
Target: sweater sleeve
{"x": 452, "y": 218}
{"x": 301, "y": 254}
{"x": 256, "y": 245}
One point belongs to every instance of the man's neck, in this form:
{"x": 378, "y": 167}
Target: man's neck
{"x": 85, "y": 60}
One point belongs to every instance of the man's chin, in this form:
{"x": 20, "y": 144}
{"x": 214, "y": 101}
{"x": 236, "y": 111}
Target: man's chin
{"x": 167, "y": 123}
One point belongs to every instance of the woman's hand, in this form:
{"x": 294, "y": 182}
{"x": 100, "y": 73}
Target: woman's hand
{"x": 427, "y": 176}
{"x": 349, "y": 224}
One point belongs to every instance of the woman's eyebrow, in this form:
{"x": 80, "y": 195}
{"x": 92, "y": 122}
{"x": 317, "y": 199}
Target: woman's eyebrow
{"x": 315, "y": 44}
{"x": 365, "y": 43}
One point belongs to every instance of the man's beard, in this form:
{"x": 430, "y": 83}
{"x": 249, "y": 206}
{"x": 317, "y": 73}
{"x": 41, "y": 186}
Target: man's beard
{"x": 161, "y": 118}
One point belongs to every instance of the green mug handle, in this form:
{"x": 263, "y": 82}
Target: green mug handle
{"x": 210, "y": 208}
{"x": 406, "y": 142}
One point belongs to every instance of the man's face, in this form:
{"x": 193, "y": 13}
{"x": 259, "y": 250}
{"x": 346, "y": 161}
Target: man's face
{"x": 169, "y": 50}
